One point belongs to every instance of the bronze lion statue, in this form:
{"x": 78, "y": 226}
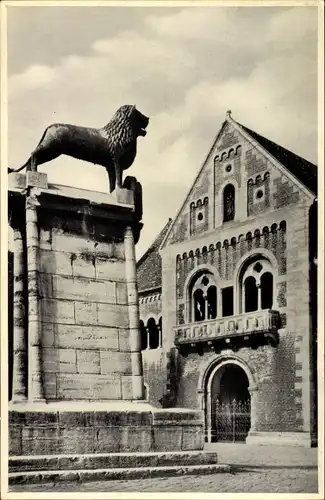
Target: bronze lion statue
{"x": 113, "y": 146}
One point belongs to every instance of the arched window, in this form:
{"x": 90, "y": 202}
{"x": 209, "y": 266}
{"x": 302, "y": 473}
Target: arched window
{"x": 143, "y": 332}
{"x": 160, "y": 331}
{"x": 153, "y": 334}
{"x": 256, "y": 285}
{"x": 199, "y": 305}
{"x": 202, "y": 298}
{"x": 212, "y": 302}
{"x": 229, "y": 203}
{"x": 267, "y": 291}
{"x": 251, "y": 298}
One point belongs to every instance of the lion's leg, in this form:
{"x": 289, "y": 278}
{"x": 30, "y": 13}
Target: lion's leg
{"x": 112, "y": 180}
{"x": 32, "y": 166}
{"x": 118, "y": 174}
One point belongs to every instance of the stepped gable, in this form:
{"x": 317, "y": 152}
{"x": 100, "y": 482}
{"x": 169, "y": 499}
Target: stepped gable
{"x": 303, "y": 170}
{"x": 149, "y": 265}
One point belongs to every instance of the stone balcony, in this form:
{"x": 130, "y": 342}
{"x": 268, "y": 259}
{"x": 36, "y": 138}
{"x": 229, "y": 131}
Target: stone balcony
{"x": 248, "y": 329}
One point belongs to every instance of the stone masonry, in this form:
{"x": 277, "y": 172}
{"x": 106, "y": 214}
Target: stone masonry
{"x": 77, "y": 375}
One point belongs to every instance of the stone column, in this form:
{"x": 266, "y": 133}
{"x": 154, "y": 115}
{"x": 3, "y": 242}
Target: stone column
{"x": 253, "y": 394}
{"x": 19, "y": 371}
{"x": 134, "y": 316}
{"x": 35, "y": 386}
{"x": 259, "y": 297}
{"x": 148, "y": 337}
{"x": 219, "y": 302}
{"x": 159, "y": 335}
{"x": 208, "y": 415}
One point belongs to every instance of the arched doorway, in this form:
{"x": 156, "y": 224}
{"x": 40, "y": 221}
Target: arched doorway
{"x": 230, "y": 404}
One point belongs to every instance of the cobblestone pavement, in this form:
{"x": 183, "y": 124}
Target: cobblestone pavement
{"x": 267, "y": 469}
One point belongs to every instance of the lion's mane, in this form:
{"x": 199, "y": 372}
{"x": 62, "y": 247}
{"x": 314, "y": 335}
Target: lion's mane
{"x": 120, "y": 130}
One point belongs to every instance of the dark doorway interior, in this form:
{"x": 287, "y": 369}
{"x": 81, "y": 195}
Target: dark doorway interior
{"x": 228, "y": 301}
{"x": 232, "y": 408}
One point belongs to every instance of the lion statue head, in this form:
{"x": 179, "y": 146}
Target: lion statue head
{"x": 126, "y": 125}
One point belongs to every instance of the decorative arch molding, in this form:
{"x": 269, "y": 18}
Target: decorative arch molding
{"x": 228, "y": 154}
{"x": 149, "y": 315}
{"x": 187, "y": 284}
{"x": 264, "y": 252}
{"x": 207, "y": 374}
{"x": 211, "y": 366}
{"x": 230, "y": 180}
{"x": 151, "y": 331}
{"x": 202, "y": 267}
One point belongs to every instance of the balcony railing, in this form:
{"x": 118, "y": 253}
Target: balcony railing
{"x": 266, "y": 321}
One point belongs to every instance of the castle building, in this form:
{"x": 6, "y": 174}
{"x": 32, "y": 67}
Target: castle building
{"x": 228, "y": 294}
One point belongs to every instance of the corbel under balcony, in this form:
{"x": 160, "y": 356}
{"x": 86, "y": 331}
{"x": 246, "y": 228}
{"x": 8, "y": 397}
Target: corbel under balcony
{"x": 251, "y": 329}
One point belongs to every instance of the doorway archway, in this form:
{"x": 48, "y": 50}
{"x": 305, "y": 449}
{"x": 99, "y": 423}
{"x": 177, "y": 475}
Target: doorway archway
{"x": 229, "y": 402}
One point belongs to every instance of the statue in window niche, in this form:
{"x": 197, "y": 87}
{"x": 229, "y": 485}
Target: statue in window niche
{"x": 230, "y": 206}
{"x": 199, "y": 306}
{"x": 229, "y": 203}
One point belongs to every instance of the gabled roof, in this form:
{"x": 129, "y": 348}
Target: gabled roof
{"x": 302, "y": 169}
{"x": 299, "y": 169}
{"x": 149, "y": 265}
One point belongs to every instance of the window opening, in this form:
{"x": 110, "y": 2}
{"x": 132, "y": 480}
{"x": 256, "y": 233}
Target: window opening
{"x": 212, "y": 302}
{"x": 228, "y": 301}
{"x": 251, "y": 296}
{"x": 267, "y": 291}
{"x": 199, "y": 305}
{"x": 229, "y": 203}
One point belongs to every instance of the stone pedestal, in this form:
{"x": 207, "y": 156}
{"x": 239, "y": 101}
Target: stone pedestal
{"x": 88, "y": 428}
{"x": 78, "y": 382}
{"x": 75, "y": 251}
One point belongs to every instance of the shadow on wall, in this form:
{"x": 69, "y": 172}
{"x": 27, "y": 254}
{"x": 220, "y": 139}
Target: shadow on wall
{"x": 174, "y": 372}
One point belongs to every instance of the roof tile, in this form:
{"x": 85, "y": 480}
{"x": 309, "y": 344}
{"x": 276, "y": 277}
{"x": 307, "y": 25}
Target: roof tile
{"x": 149, "y": 265}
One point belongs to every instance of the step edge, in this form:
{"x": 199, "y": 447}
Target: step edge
{"x": 117, "y": 469}
{"x": 124, "y": 454}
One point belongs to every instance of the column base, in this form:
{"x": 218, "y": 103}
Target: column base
{"x": 280, "y": 438}
{"x": 18, "y": 400}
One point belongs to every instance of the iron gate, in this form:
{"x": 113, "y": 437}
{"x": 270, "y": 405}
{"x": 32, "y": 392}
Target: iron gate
{"x": 232, "y": 420}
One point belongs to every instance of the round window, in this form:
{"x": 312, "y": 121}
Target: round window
{"x": 228, "y": 168}
{"x": 259, "y": 194}
{"x": 200, "y": 216}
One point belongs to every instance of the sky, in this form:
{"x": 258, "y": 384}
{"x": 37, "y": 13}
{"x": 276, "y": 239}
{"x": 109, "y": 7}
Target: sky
{"x": 184, "y": 67}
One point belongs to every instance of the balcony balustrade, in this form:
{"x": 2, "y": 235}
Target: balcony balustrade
{"x": 264, "y": 324}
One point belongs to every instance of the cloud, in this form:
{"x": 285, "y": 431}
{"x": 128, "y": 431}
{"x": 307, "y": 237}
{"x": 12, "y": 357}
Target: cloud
{"x": 292, "y": 27}
{"x": 183, "y": 69}
{"x": 35, "y": 76}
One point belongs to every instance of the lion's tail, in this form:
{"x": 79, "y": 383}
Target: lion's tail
{"x": 11, "y": 170}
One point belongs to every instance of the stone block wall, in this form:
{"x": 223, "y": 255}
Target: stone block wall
{"x": 223, "y": 257}
{"x": 155, "y": 374}
{"x": 84, "y": 312}
{"x": 150, "y": 306}
{"x": 283, "y": 400}
{"x": 88, "y": 431}
{"x": 272, "y": 370}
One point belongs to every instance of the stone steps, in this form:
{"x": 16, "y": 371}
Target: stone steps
{"x": 110, "y": 466}
{"x": 110, "y": 460}
{"x": 37, "y": 477}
